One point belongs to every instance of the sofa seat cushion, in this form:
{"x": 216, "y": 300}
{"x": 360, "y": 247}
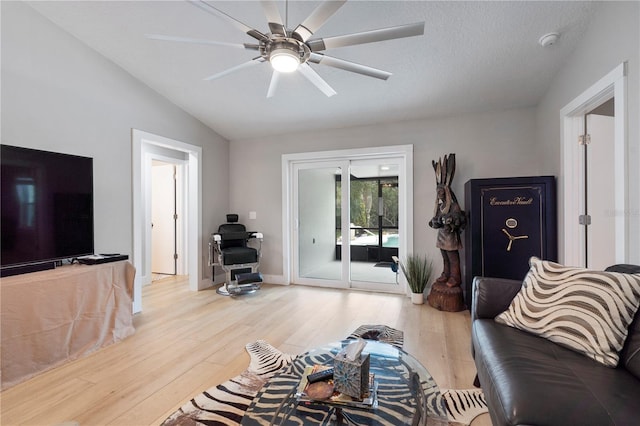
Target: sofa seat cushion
{"x": 529, "y": 380}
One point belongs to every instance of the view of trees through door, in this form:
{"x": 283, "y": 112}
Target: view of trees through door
{"x": 366, "y": 208}
{"x": 373, "y": 218}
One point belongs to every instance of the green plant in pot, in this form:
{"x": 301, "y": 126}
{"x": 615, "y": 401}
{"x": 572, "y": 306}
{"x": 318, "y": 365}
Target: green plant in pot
{"x": 417, "y": 270}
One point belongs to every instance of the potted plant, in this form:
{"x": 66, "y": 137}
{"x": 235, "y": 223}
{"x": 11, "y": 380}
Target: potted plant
{"x": 417, "y": 270}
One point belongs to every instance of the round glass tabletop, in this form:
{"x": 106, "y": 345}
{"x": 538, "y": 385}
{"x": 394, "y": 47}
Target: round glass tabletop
{"x": 405, "y": 393}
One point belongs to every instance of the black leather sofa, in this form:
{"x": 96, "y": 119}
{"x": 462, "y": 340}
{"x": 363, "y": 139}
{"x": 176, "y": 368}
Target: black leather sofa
{"x": 528, "y": 380}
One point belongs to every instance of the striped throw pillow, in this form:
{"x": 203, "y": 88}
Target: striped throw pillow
{"x": 584, "y": 310}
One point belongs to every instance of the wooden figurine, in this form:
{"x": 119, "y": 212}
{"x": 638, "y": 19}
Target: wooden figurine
{"x": 449, "y": 219}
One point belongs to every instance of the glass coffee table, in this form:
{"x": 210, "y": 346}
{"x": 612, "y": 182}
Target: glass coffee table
{"x": 406, "y": 393}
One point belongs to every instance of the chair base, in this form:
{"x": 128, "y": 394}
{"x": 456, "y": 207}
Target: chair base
{"x": 240, "y": 279}
{"x": 235, "y": 289}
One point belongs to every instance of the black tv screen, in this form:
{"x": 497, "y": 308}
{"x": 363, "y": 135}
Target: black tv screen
{"x": 46, "y": 206}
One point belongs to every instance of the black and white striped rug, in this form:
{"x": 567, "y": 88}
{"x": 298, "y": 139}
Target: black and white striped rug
{"x": 226, "y": 403}
{"x": 463, "y": 405}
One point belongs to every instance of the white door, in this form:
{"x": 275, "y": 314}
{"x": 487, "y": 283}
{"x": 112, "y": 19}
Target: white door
{"x": 600, "y": 194}
{"x": 163, "y": 211}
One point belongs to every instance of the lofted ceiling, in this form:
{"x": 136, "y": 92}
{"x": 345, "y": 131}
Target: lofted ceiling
{"x": 473, "y": 56}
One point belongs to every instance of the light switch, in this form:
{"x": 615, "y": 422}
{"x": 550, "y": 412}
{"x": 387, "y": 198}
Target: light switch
{"x": 252, "y": 215}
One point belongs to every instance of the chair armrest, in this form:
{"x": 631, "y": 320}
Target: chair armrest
{"x": 492, "y": 296}
{"x": 257, "y": 235}
{"x": 216, "y": 237}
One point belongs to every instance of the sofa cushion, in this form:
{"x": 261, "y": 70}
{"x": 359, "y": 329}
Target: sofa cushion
{"x": 585, "y": 310}
{"x": 630, "y": 355}
{"x": 529, "y": 380}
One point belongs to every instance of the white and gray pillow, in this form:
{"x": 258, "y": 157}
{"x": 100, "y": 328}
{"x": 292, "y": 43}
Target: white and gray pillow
{"x": 585, "y": 310}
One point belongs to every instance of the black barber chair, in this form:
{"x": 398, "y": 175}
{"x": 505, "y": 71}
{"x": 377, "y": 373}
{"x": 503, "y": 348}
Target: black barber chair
{"x": 230, "y": 249}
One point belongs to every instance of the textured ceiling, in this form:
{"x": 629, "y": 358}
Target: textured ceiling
{"x": 473, "y": 56}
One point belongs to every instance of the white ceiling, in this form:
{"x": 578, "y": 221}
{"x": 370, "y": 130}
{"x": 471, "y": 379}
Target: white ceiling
{"x": 473, "y": 56}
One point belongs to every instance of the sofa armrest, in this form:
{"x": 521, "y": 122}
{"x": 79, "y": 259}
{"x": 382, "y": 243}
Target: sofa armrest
{"x": 492, "y": 296}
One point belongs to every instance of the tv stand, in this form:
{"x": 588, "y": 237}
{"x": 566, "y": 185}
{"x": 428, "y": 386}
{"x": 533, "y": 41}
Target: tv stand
{"x": 52, "y": 317}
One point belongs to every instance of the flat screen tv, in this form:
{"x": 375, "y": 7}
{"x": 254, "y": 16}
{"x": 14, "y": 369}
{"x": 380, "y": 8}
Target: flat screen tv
{"x": 46, "y": 208}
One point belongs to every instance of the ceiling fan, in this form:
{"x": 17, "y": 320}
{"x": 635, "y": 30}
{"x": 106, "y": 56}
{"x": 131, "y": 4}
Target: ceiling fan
{"x": 290, "y": 50}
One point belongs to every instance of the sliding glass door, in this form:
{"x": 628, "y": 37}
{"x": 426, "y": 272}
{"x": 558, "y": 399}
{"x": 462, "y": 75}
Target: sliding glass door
{"x": 347, "y": 223}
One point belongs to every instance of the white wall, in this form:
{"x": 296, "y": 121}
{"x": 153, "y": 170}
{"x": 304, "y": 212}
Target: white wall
{"x": 611, "y": 39}
{"x": 486, "y": 145}
{"x": 60, "y": 95}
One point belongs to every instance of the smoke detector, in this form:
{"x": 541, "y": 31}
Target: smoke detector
{"x": 549, "y": 39}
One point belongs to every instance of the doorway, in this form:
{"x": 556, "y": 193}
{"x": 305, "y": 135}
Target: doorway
{"x": 599, "y": 199}
{"x": 594, "y": 173}
{"x": 350, "y": 214}
{"x": 146, "y": 148}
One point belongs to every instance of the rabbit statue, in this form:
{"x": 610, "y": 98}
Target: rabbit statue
{"x": 449, "y": 220}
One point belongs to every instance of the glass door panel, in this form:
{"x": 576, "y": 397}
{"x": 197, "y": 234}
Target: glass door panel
{"x": 373, "y": 223}
{"x": 318, "y": 208}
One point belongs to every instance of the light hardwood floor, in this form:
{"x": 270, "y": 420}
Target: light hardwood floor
{"x": 186, "y": 342}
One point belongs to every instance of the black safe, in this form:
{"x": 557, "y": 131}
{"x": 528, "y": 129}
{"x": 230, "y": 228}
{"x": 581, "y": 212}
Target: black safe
{"x": 509, "y": 220}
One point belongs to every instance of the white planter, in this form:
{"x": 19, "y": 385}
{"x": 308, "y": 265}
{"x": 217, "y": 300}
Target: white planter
{"x": 417, "y": 298}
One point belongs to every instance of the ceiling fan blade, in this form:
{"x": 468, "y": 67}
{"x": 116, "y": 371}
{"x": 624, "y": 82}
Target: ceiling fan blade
{"x": 319, "y": 58}
{"x": 317, "y": 19}
{"x": 201, "y": 41}
{"x": 247, "y": 64}
{"x": 273, "y": 85}
{"x": 207, "y": 7}
{"x": 400, "y": 31}
{"x": 317, "y": 81}
{"x": 273, "y": 17}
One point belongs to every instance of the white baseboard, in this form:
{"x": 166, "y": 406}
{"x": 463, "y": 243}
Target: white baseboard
{"x": 274, "y": 279}
{"x": 204, "y": 284}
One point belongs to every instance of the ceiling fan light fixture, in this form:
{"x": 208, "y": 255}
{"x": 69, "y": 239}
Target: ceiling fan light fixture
{"x": 284, "y": 59}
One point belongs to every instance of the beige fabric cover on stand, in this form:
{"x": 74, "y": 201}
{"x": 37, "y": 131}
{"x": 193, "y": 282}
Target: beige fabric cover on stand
{"x": 51, "y": 317}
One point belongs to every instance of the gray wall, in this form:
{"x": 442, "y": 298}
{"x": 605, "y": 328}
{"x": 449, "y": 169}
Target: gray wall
{"x": 486, "y": 145}
{"x": 611, "y": 39}
{"x": 60, "y": 95}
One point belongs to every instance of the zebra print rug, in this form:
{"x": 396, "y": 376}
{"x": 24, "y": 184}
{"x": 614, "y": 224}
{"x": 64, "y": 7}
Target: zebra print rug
{"x": 226, "y": 403}
{"x": 464, "y": 405}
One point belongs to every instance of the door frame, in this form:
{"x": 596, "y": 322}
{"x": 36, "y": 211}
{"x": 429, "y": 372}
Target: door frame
{"x": 405, "y": 209}
{"x": 143, "y": 145}
{"x": 613, "y": 85}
